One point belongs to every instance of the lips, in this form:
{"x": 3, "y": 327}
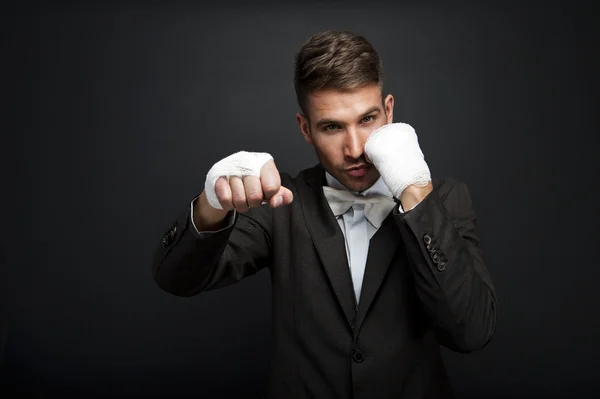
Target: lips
{"x": 358, "y": 171}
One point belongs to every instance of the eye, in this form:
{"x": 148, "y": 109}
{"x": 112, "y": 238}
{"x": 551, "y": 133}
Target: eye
{"x": 331, "y": 127}
{"x": 368, "y": 119}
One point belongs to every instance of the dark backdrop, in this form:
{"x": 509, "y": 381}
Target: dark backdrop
{"x": 112, "y": 115}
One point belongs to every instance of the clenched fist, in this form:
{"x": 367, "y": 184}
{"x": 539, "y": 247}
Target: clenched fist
{"x": 394, "y": 150}
{"x": 245, "y": 180}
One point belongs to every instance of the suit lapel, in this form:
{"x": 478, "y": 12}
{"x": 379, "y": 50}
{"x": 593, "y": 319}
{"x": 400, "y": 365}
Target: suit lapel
{"x": 382, "y": 247}
{"x": 327, "y": 238}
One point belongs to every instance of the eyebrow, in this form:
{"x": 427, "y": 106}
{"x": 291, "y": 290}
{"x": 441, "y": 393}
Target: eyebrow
{"x": 328, "y": 121}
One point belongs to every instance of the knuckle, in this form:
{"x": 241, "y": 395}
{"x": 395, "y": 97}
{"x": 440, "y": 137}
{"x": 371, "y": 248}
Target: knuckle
{"x": 239, "y": 201}
{"x": 270, "y": 187}
{"x": 241, "y": 206}
{"x": 254, "y": 197}
{"x": 238, "y": 194}
{"x": 220, "y": 191}
{"x": 223, "y": 196}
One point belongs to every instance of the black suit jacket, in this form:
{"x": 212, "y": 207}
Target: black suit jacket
{"x": 425, "y": 284}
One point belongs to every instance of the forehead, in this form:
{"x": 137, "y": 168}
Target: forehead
{"x": 343, "y": 104}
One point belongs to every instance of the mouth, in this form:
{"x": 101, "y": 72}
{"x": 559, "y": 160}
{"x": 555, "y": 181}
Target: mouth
{"x": 358, "y": 171}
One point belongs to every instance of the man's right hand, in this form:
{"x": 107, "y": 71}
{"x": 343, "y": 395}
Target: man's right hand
{"x": 248, "y": 192}
{"x": 257, "y": 185}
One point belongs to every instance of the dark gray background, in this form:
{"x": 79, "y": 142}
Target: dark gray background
{"x": 111, "y": 116}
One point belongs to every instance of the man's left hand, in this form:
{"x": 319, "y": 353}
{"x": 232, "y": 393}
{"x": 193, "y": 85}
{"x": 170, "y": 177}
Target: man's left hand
{"x": 394, "y": 151}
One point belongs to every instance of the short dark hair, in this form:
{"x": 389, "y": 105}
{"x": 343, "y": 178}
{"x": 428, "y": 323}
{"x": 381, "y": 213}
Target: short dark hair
{"x": 335, "y": 60}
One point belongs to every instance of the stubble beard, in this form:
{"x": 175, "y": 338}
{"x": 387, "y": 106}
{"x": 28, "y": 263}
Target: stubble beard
{"x": 352, "y": 184}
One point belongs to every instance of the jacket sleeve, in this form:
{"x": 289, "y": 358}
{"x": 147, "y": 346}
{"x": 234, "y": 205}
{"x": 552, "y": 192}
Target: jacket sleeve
{"x": 451, "y": 278}
{"x": 187, "y": 262}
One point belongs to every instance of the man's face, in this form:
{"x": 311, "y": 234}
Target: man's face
{"x": 338, "y": 123}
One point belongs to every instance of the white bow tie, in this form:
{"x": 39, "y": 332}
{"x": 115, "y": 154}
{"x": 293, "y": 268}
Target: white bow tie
{"x": 377, "y": 207}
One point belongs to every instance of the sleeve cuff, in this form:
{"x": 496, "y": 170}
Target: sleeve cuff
{"x": 401, "y": 210}
{"x": 229, "y": 221}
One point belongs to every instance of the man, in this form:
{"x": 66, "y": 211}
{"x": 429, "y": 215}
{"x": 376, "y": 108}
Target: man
{"x": 373, "y": 264}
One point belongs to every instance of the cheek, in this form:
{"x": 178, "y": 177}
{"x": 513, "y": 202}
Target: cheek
{"x": 370, "y": 129}
{"x": 329, "y": 148}
{"x": 380, "y": 122}
{"x": 366, "y": 132}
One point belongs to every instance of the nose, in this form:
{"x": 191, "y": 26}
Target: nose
{"x": 353, "y": 144}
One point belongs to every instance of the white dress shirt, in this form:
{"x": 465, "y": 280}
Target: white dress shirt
{"x": 357, "y": 252}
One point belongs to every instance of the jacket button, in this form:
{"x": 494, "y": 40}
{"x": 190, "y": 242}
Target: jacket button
{"x": 427, "y": 239}
{"x": 169, "y": 237}
{"x": 358, "y": 356}
{"x": 441, "y": 266}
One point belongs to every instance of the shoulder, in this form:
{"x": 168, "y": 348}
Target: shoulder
{"x": 451, "y": 189}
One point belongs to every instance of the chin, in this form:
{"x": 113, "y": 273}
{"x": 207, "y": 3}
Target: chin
{"x": 359, "y": 184}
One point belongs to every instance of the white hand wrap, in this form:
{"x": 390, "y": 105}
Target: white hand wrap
{"x": 240, "y": 164}
{"x": 395, "y": 152}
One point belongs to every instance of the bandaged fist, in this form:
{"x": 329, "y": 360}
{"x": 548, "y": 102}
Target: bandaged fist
{"x": 394, "y": 151}
{"x": 245, "y": 180}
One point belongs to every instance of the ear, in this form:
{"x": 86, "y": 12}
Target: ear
{"x": 304, "y": 128}
{"x": 389, "y": 108}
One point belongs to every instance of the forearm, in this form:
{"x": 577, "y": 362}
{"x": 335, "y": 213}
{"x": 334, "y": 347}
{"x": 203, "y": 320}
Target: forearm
{"x": 450, "y": 276}
{"x": 205, "y": 217}
{"x": 191, "y": 261}
{"x": 184, "y": 265}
